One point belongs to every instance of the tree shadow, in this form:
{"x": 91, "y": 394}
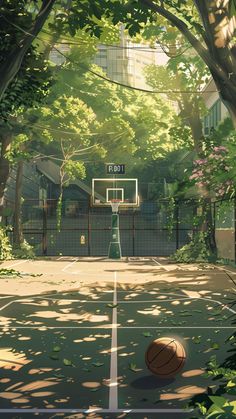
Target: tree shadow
{"x": 151, "y": 382}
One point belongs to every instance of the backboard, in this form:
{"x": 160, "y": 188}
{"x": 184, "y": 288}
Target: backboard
{"x": 105, "y": 191}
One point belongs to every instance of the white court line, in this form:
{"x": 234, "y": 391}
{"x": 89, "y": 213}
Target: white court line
{"x": 113, "y": 385}
{"x": 118, "y": 301}
{"x": 7, "y": 296}
{"x": 224, "y": 306}
{"x": 110, "y": 326}
{"x": 96, "y": 409}
{"x": 70, "y": 264}
{"x": 17, "y": 263}
{"x": 147, "y": 292}
{"x": 159, "y": 264}
{"x": 8, "y": 304}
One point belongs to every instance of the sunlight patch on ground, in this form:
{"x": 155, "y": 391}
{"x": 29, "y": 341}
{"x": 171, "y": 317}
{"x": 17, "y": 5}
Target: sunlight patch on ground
{"x": 12, "y": 360}
{"x": 65, "y": 317}
{"x": 183, "y": 393}
{"x": 193, "y": 373}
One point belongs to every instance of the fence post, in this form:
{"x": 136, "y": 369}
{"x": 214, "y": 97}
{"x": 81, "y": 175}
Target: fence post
{"x": 89, "y": 232}
{"x": 235, "y": 230}
{"x": 133, "y": 228}
{"x": 177, "y": 223}
{"x": 44, "y": 241}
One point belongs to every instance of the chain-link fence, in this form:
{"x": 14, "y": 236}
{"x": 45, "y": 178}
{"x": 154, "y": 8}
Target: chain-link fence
{"x": 224, "y": 216}
{"x": 154, "y": 229}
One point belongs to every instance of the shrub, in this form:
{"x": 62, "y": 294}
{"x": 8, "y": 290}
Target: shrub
{"x": 24, "y": 251}
{"x": 5, "y": 246}
{"x": 195, "y": 251}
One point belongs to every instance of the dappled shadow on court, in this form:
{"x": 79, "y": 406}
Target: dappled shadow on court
{"x": 54, "y": 368}
{"x": 53, "y": 364}
{"x": 148, "y": 382}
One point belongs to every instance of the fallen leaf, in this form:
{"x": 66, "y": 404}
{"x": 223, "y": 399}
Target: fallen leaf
{"x": 56, "y": 349}
{"x": 196, "y": 339}
{"x": 147, "y": 334}
{"x": 97, "y": 364}
{"x": 55, "y": 357}
{"x": 67, "y": 362}
{"x": 215, "y": 346}
{"x": 59, "y": 375}
{"x": 133, "y": 367}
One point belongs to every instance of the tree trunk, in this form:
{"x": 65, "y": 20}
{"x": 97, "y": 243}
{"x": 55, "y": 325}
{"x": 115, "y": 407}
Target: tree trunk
{"x": 4, "y": 168}
{"x": 13, "y": 61}
{"x": 191, "y": 114}
{"x": 17, "y": 232}
{"x": 207, "y": 226}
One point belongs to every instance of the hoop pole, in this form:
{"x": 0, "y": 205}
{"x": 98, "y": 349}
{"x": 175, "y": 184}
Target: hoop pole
{"x": 114, "y": 251}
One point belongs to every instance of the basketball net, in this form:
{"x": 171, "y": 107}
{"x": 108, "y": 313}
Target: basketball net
{"x": 115, "y": 205}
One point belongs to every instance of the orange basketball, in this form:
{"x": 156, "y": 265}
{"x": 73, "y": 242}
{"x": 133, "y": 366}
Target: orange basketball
{"x": 165, "y": 357}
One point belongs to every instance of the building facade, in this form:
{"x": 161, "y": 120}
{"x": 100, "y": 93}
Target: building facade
{"x": 217, "y": 111}
{"x": 125, "y": 63}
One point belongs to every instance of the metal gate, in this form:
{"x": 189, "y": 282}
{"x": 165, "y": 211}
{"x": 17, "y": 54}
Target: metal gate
{"x": 154, "y": 229}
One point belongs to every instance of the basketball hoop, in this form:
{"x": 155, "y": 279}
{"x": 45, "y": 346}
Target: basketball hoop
{"x": 115, "y": 205}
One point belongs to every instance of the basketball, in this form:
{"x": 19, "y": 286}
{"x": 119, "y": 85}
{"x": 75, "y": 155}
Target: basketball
{"x": 165, "y": 357}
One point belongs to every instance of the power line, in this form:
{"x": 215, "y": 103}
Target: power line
{"x": 131, "y": 87}
{"x": 142, "y": 47}
{"x": 106, "y": 78}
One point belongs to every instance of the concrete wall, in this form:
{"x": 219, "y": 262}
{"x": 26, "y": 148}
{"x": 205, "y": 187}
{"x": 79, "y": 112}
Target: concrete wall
{"x": 225, "y": 242}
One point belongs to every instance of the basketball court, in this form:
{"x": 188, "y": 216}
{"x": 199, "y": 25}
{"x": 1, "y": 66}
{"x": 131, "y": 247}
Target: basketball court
{"x": 74, "y": 332}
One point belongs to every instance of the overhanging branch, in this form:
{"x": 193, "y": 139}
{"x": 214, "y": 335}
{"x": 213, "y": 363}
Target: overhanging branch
{"x": 196, "y": 44}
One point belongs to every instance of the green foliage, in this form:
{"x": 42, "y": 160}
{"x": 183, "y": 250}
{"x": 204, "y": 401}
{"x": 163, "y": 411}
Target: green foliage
{"x": 195, "y": 251}
{"x": 170, "y": 216}
{"x": 217, "y": 405}
{"x": 59, "y": 212}
{"x": 74, "y": 170}
{"x": 216, "y": 171}
{"x": 24, "y": 251}
{"x": 6, "y": 272}
{"x": 5, "y": 246}
{"x": 116, "y": 123}
{"x": 15, "y": 152}
{"x": 232, "y": 8}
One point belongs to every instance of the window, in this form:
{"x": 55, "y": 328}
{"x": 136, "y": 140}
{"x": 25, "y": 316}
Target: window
{"x": 211, "y": 121}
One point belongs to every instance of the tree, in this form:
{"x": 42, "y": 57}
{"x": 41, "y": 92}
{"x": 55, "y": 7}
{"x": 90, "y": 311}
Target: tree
{"x": 14, "y": 15}
{"x": 208, "y": 26}
{"x": 181, "y": 77}
{"x": 27, "y": 90}
{"x": 61, "y": 131}
{"x": 24, "y": 20}
{"x": 135, "y": 127}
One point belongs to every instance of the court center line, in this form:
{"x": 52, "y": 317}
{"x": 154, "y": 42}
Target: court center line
{"x": 113, "y": 385}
